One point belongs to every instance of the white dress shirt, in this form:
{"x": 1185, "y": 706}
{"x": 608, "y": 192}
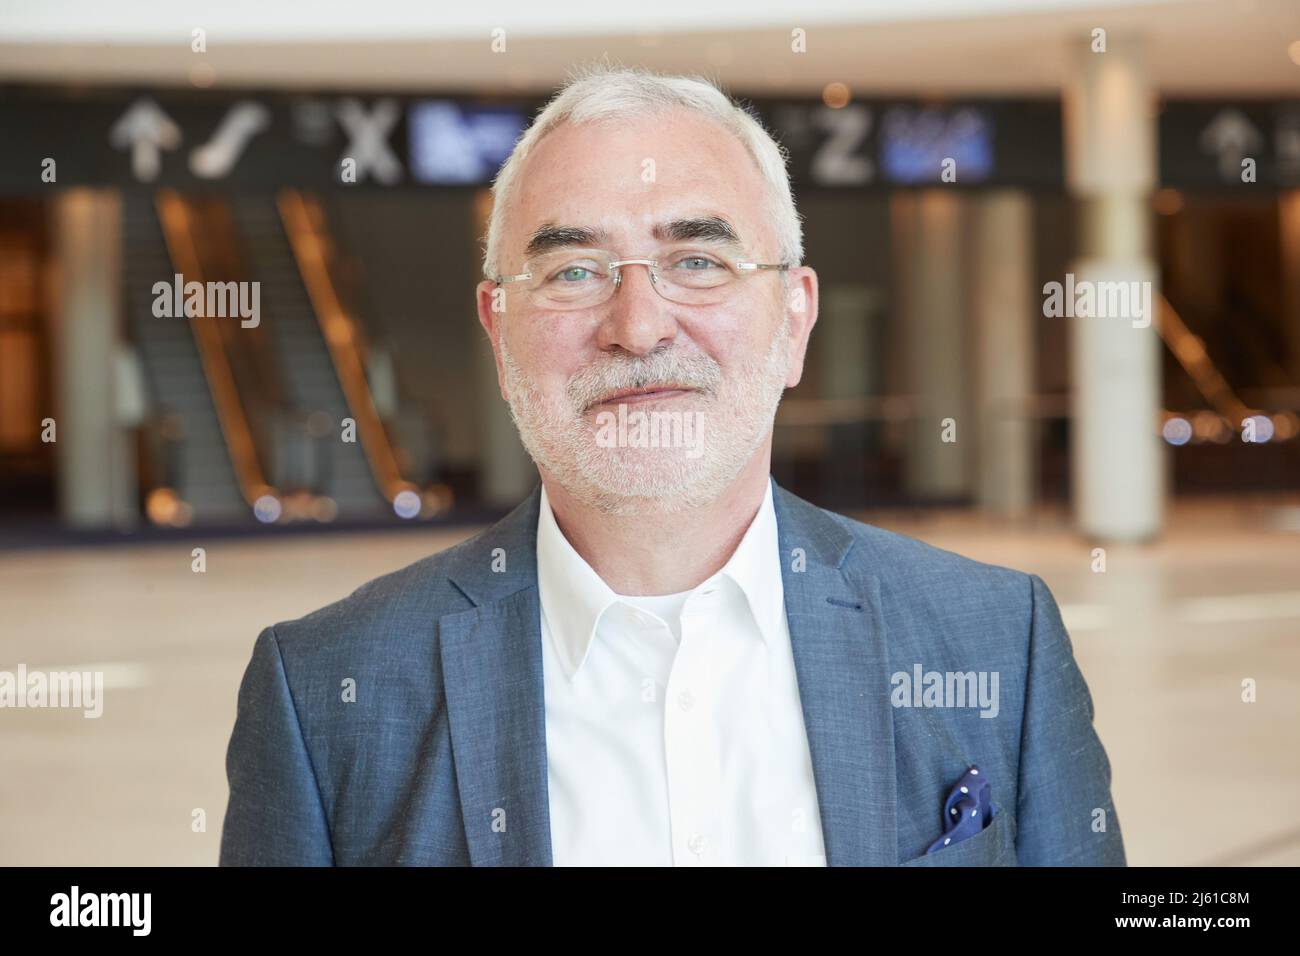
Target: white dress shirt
{"x": 674, "y": 731}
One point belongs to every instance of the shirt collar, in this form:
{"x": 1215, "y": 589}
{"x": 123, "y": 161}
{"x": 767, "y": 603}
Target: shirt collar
{"x": 573, "y": 596}
{"x": 756, "y": 567}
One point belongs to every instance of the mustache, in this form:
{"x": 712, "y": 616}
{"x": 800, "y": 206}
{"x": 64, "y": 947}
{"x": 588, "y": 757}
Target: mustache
{"x": 669, "y": 367}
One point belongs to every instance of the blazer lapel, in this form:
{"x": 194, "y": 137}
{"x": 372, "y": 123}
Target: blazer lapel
{"x": 836, "y": 630}
{"x": 492, "y": 667}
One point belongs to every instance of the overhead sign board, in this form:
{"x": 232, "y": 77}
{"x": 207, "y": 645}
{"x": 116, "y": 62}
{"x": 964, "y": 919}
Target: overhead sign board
{"x": 1230, "y": 145}
{"x": 250, "y": 140}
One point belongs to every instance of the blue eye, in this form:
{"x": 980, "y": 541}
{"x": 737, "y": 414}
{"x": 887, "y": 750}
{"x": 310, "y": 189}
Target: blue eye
{"x": 573, "y": 274}
{"x": 695, "y": 263}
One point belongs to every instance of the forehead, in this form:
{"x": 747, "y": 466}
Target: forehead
{"x": 628, "y": 175}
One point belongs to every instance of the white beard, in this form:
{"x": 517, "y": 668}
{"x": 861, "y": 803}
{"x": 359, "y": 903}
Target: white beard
{"x": 736, "y": 414}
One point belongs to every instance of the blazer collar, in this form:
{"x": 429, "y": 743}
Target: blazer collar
{"x": 492, "y": 667}
{"x": 501, "y": 560}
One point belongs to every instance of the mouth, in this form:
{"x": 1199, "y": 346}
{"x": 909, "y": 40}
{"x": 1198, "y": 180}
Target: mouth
{"x": 636, "y": 396}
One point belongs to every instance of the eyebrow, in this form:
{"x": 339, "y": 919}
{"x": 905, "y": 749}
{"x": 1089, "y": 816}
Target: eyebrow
{"x": 698, "y": 229}
{"x": 551, "y": 236}
{"x": 707, "y": 228}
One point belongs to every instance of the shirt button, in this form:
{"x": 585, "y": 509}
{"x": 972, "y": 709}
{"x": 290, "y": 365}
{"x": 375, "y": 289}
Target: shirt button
{"x": 686, "y": 700}
{"x": 696, "y": 843}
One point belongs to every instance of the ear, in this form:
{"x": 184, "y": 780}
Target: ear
{"x": 801, "y": 308}
{"x": 488, "y": 300}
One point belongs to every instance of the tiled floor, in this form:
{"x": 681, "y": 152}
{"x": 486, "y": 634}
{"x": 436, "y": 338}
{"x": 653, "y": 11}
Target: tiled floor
{"x": 1165, "y": 636}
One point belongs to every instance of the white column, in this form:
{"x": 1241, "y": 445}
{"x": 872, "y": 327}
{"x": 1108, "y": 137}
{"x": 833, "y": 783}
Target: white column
{"x": 1117, "y": 456}
{"x": 1004, "y": 303}
{"x": 96, "y": 463}
{"x": 928, "y": 230}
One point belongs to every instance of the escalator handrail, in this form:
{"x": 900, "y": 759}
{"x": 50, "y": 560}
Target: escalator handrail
{"x": 342, "y": 337}
{"x": 1189, "y": 351}
{"x": 178, "y": 233}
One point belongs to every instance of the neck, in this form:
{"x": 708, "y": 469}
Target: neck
{"x": 663, "y": 553}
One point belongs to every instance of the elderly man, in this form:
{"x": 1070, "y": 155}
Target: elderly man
{"x": 661, "y": 657}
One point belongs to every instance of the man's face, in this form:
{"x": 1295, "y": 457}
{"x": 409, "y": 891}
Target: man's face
{"x": 641, "y": 404}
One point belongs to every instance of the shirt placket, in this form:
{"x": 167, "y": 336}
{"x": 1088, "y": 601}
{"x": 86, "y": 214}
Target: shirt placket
{"x": 691, "y": 743}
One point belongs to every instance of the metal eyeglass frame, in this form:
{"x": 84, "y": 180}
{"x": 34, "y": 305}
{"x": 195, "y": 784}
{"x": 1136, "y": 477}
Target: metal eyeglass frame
{"x": 652, "y": 265}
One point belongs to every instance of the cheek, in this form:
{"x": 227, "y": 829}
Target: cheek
{"x": 548, "y": 353}
{"x": 740, "y": 335}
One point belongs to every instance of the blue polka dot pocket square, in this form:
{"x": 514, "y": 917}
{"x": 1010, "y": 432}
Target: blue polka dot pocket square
{"x": 968, "y": 810}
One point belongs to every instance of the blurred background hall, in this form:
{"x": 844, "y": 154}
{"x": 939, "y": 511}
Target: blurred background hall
{"x": 955, "y": 162}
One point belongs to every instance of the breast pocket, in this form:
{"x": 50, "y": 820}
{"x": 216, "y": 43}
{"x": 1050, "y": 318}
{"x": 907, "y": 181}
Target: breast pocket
{"x": 995, "y": 845}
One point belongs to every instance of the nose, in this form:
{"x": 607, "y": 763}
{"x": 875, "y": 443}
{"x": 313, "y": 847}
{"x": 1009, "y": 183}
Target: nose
{"x": 637, "y": 318}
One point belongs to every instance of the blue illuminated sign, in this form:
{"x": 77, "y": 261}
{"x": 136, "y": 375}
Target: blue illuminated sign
{"x": 453, "y": 143}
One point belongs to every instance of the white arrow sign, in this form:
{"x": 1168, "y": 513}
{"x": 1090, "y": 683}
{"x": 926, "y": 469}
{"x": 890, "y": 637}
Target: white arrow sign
{"x": 145, "y": 129}
{"x": 217, "y": 157}
{"x": 1231, "y": 137}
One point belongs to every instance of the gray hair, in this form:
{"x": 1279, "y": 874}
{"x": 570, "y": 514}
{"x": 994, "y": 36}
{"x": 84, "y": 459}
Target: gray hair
{"x": 603, "y": 92}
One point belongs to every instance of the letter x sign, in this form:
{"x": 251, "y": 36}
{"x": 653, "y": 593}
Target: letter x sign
{"x": 368, "y": 144}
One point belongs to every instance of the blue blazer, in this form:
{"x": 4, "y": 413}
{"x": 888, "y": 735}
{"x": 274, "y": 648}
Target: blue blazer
{"x": 441, "y": 757}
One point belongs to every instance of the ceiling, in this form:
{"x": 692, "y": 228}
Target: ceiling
{"x": 940, "y": 47}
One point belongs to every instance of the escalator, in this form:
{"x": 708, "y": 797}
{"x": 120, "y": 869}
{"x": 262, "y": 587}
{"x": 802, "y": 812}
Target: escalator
{"x": 196, "y": 466}
{"x": 273, "y": 418}
{"x": 314, "y": 383}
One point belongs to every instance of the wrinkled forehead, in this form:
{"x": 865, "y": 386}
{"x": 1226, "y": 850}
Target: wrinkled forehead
{"x": 631, "y": 185}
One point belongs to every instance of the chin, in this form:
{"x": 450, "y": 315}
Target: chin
{"x": 630, "y": 482}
